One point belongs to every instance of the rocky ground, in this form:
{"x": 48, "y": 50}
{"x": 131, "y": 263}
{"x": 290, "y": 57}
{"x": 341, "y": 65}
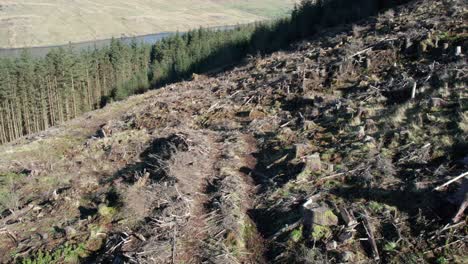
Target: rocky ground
{"x": 318, "y": 154}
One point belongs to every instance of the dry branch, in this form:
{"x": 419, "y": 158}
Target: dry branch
{"x": 461, "y": 210}
{"x": 337, "y": 175}
{"x": 287, "y": 123}
{"x": 285, "y": 229}
{"x": 451, "y": 181}
{"x": 413, "y": 90}
{"x": 174, "y": 244}
{"x": 370, "y": 48}
{"x": 360, "y": 52}
{"x": 347, "y": 216}
{"x": 370, "y": 235}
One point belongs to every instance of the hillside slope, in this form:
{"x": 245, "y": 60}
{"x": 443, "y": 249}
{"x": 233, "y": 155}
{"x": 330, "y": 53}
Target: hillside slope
{"x": 318, "y": 154}
{"x": 45, "y": 22}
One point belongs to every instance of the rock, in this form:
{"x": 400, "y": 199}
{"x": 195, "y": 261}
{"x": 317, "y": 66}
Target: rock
{"x": 313, "y": 162}
{"x": 45, "y": 236}
{"x": 370, "y": 142}
{"x": 96, "y": 240}
{"x": 302, "y": 149}
{"x": 95, "y": 243}
{"x": 361, "y": 132}
{"x": 70, "y": 232}
{"x": 347, "y": 256}
{"x": 370, "y": 126}
{"x": 104, "y": 131}
{"x": 445, "y": 46}
{"x": 408, "y": 43}
{"x": 309, "y": 125}
{"x": 422, "y": 185}
{"x": 315, "y": 112}
{"x": 332, "y": 245}
{"x": 287, "y": 135}
{"x": 438, "y": 102}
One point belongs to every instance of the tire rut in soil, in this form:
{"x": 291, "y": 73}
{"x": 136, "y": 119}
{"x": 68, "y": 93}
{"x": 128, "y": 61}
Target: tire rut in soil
{"x": 172, "y": 175}
{"x": 233, "y": 236}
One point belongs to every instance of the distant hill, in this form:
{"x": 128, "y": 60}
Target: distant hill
{"x": 25, "y": 23}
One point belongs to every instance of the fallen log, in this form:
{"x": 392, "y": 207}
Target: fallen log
{"x": 348, "y": 218}
{"x": 285, "y": 229}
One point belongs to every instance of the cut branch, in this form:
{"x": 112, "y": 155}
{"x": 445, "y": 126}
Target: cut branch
{"x": 451, "y": 181}
{"x": 370, "y": 235}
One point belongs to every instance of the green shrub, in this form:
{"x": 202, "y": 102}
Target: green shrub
{"x": 296, "y": 235}
{"x": 9, "y": 199}
{"x": 64, "y": 254}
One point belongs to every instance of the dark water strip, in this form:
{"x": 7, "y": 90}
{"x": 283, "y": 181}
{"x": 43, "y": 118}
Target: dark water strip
{"x": 40, "y": 52}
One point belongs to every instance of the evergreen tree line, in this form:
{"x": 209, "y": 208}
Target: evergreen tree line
{"x": 36, "y": 93}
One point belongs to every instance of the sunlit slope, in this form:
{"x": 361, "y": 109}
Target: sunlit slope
{"x": 50, "y": 22}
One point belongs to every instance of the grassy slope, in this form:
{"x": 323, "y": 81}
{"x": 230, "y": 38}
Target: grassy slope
{"x": 47, "y": 22}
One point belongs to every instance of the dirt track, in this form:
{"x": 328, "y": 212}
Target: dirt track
{"x": 194, "y": 181}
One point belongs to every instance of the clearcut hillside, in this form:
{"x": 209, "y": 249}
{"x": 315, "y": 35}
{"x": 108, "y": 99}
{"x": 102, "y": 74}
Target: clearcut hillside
{"x": 343, "y": 148}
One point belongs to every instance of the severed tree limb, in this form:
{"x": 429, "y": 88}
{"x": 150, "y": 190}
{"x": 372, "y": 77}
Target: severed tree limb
{"x": 370, "y": 235}
{"x": 289, "y": 122}
{"x": 232, "y": 95}
{"x": 461, "y": 210}
{"x": 285, "y": 229}
{"x": 347, "y": 216}
{"x": 248, "y": 101}
{"x": 10, "y": 235}
{"x": 446, "y": 245}
{"x": 174, "y": 244}
{"x": 360, "y": 52}
{"x": 212, "y": 107}
{"x": 370, "y": 48}
{"x": 277, "y": 161}
{"x": 16, "y": 214}
{"x": 451, "y": 181}
{"x": 336, "y": 175}
{"x": 413, "y": 90}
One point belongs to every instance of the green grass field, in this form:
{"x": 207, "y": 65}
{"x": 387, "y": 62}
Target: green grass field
{"x": 25, "y": 23}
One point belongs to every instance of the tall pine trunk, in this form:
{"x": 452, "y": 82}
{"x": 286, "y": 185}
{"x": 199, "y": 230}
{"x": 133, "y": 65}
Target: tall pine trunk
{"x": 3, "y": 137}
